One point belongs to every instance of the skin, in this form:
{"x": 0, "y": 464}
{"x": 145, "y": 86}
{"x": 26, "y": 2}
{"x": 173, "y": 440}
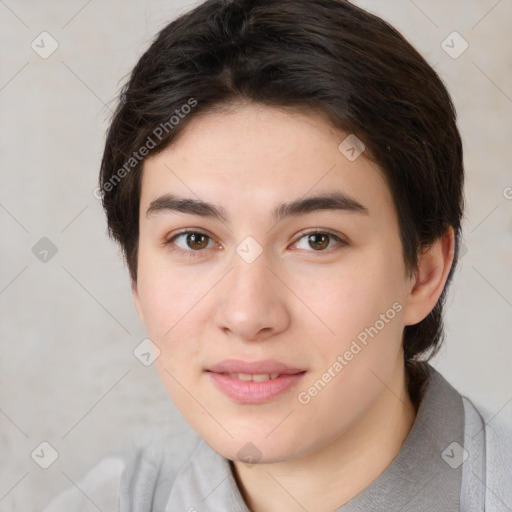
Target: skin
{"x": 294, "y": 303}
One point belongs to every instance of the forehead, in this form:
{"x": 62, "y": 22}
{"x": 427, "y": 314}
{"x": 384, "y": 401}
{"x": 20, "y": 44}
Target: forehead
{"x": 254, "y": 157}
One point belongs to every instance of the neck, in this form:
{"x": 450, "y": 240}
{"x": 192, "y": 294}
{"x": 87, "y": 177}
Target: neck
{"x": 340, "y": 470}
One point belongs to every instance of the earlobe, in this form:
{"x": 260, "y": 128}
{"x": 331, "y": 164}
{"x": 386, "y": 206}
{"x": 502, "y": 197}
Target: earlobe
{"x": 434, "y": 265}
{"x": 136, "y": 300}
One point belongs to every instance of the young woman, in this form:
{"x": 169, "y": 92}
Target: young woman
{"x": 285, "y": 179}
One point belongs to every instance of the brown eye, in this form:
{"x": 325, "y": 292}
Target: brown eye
{"x": 196, "y": 241}
{"x": 192, "y": 242}
{"x": 319, "y": 241}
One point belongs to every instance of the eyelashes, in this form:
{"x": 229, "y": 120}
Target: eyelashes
{"x": 194, "y": 253}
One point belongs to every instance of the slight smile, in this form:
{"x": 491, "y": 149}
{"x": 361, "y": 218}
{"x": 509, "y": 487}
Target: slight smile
{"x": 255, "y": 382}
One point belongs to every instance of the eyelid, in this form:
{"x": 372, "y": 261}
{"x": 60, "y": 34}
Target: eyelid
{"x": 186, "y": 231}
{"x": 312, "y": 231}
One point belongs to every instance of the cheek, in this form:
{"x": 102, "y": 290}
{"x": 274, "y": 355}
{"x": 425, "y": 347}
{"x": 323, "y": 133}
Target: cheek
{"x": 167, "y": 296}
{"x": 361, "y": 312}
{"x": 173, "y": 325}
{"x": 366, "y": 316}
{"x": 350, "y": 299}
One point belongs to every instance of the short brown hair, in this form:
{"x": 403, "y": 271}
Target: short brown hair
{"x": 325, "y": 57}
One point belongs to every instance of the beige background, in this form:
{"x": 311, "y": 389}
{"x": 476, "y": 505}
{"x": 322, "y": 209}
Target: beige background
{"x": 68, "y": 326}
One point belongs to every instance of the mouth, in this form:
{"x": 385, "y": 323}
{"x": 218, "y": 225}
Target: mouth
{"x": 255, "y": 382}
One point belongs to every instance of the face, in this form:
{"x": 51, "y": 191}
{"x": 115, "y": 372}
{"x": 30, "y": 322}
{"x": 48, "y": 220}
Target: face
{"x": 276, "y": 326}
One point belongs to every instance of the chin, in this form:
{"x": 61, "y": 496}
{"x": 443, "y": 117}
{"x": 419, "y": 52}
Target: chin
{"x": 249, "y": 449}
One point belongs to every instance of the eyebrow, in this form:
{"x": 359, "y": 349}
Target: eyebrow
{"x": 332, "y": 201}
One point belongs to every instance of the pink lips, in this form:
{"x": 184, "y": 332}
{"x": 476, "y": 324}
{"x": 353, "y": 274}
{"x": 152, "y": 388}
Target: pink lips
{"x": 271, "y": 378}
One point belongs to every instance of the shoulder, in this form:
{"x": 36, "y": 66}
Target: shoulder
{"x": 97, "y": 489}
{"x": 152, "y": 466}
{"x": 497, "y": 428}
{"x": 137, "y": 476}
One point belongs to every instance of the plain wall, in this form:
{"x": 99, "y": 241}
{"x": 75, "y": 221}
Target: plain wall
{"x": 68, "y": 327}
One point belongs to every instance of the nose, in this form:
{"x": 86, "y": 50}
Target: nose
{"x": 252, "y": 303}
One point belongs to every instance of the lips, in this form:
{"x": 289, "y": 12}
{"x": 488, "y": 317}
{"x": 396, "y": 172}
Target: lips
{"x": 256, "y": 382}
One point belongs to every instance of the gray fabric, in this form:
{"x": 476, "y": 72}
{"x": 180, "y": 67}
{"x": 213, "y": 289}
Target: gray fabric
{"x": 419, "y": 478}
{"x": 205, "y": 483}
{"x": 498, "y": 458}
{"x": 152, "y": 468}
{"x": 473, "y": 470}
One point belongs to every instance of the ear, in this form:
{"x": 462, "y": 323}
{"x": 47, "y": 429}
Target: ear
{"x": 427, "y": 285}
{"x": 136, "y": 300}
